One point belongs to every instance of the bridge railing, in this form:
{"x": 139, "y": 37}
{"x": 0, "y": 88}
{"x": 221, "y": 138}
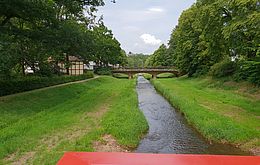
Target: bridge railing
{"x": 158, "y": 67}
{"x": 144, "y": 68}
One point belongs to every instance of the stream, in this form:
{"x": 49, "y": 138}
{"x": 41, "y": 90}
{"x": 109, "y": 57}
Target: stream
{"x": 169, "y": 131}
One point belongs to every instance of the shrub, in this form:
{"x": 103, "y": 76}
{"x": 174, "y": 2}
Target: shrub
{"x": 200, "y": 71}
{"x": 248, "y": 71}
{"x": 166, "y": 75}
{"x": 103, "y": 71}
{"x": 16, "y": 85}
{"x": 223, "y": 69}
{"x": 120, "y": 76}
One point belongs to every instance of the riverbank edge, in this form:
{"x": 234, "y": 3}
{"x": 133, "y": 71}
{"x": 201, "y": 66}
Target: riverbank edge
{"x": 126, "y": 104}
{"x": 104, "y": 119}
{"x": 28, "y": 84}
{"x": 175, "y": 103}
{"x": 51, "y": 86}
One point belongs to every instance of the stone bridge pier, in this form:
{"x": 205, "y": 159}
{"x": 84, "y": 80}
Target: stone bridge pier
{"x": 130, "y": 76}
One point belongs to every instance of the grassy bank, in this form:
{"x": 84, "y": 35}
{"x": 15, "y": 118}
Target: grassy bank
{"x": 27, "y": 83}
{"x": 222, "y": 111}
{"x": 38, "y": 127}
{"x": 120, "y": 75}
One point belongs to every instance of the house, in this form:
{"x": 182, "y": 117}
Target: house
{"x": 28, "y": 70}
{"x": 76, "y": 66}
{"x": 90, "y": 66}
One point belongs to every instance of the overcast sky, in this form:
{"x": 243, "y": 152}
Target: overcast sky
{"x": 141, "y": 26}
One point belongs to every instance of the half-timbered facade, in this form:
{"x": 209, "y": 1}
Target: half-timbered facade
{"x": 76, "y": 66}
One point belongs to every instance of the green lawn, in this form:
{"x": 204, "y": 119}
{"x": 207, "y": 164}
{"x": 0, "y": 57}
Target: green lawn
{"x": 220, "y": 111}
{"x": 120, "y": 75}
{"x": 38, "y": 127}
{"x": 166, "y": 75}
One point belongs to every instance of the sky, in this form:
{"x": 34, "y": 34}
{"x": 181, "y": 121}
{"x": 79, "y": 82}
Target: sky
{"x": 141, "y": 26}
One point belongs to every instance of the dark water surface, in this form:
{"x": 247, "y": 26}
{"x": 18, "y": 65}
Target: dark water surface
{"x": 168, "y": 130}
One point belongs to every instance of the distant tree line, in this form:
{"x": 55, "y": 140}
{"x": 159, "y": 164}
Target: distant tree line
{"x": 160, "y": 58}
{"x": 136, "y": 60}
{"x": 41, "y": 33}
{"x": 219, "y": 37}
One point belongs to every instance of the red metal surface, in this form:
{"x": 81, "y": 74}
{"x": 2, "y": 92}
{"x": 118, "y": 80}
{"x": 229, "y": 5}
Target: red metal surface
{"x": 77, "y": 158}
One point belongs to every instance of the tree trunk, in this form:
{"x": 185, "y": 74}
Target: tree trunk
{"x": 67, "y": 67}
{"x": 23, "y": 69}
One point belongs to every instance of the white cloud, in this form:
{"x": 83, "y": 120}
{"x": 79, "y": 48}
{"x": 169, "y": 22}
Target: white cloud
{"x": 156, "y": 9}
{"x": 150, "y": 39}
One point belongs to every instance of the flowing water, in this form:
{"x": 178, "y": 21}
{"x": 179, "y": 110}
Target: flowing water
{"x": 168, "y": 130}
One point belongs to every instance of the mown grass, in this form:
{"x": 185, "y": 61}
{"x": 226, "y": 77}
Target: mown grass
{"x": 166, "y": 75}
{"x": 120, "y": 75}
{"x": 221, "y": 114}
{"x": 40, "y": 126}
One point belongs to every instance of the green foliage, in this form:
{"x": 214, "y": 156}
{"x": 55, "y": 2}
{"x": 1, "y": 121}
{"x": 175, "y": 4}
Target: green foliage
{"x": 136, "y": 60}
{"x": 147, "y": 76}
{"x": 242, "y": 28}
{"x": 248, "y": 71}
{"x": 103, "y": 71}
{"x": 33, "y": 31}
{"x": 210, "y": 31}
{"x": 120, "y": 75}
{"x": 223, "y": 69}
{"x": 196, "y": 41}
{"x": 166, "y": 75}
{"x": 159, "y": 58}
{"x": 16, "y": 85}
{"x": 106, "y": 49}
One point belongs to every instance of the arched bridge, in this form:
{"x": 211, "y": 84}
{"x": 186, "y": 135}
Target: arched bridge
{"x": 153, "y": 71}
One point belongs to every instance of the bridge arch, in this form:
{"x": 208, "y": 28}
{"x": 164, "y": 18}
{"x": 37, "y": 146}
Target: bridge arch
{"x": 166, "y": 75}
{"x": 120, "y": 75}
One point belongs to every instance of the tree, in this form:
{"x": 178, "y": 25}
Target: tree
{"x": 159, "y": 58}
{"x": 212, "y": 30}
{"x": 136, "y": 60}
{"x": 106, "y": 49}
{"x": 32, "y": 31}
{"x": 242, "y": 27}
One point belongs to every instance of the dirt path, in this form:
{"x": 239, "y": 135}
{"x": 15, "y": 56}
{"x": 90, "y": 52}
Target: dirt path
{"x": 108, "y": 144}
{"x": 50, "y": 87}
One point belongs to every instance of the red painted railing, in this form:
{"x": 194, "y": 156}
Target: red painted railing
{"x": 74, "y": 158}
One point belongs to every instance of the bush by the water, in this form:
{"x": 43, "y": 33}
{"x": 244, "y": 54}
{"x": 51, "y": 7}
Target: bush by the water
{"x": 16, "y": 85}
{"x": 248, "y": 71}
{"x": 240, "y": 71}
{"x": 223, "y": 69}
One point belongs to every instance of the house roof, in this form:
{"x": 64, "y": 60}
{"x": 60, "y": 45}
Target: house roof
{"x": 74, "y": 58}
{"x": 71, "y": 58}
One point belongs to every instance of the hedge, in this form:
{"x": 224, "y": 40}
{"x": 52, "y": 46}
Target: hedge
{"x": 103, "y": 71}
{"x": 223, "y": 69}
{"x": 248, "y": 71}
{"x": 28, "y": 83}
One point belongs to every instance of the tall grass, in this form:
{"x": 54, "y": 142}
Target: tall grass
{"x": 220, "y": 115}
{"x": 22, "y": 84}
{"x": 49, "y": 122}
